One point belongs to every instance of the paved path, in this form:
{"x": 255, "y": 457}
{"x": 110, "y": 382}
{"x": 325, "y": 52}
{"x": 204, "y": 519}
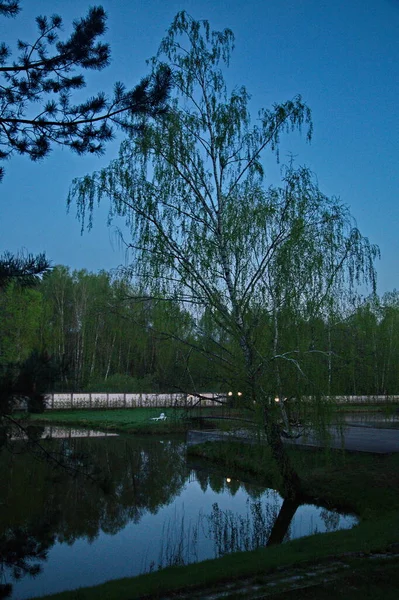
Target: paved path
{"x": 360, "y": 439}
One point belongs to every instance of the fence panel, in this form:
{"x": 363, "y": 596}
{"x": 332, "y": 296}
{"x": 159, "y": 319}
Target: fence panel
{"x": 120, "y": 400}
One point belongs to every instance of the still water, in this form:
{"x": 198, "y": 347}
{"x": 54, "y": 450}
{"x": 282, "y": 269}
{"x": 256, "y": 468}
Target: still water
{"x": 143, "y": 507}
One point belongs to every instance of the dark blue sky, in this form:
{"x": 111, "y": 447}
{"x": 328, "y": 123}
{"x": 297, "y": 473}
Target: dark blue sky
{"x": 342, "y": 56}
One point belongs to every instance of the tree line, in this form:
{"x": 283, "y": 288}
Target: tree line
{"x": 98, "y": 335}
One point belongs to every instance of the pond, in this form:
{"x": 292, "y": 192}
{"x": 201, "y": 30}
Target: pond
{"x": 141, "y": 506}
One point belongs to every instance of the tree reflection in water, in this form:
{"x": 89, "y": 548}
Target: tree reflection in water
{"x": 23, "y": 550}
{"x": 135, "y": 477}
{"x": 233, "y": 533}
{"x": 42, "y": 505}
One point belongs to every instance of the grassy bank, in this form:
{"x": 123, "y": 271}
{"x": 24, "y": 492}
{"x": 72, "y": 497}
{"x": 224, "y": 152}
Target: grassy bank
{"x": 123, "y": 420}
{"x": 136, "y": 420}
{"x": 358, "y": 482}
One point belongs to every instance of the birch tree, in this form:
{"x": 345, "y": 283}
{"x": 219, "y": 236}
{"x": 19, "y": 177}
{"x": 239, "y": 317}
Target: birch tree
{"x": 206, "y": 229}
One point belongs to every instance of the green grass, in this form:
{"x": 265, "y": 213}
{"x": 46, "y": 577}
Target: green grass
{"x": 124, "y": 420}
{"x": 136, "y": 420}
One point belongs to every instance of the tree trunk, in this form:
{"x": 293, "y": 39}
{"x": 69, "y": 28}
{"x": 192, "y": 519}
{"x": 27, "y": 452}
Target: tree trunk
{"x": 93, "y": 356}
{"x": 110, "y": 357}
{"x": 291, "y": 484}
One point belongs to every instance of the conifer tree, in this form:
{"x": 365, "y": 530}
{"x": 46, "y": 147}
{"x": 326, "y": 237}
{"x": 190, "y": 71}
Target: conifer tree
{"x": 23, "y": 270}
{"x": 36, "y": 106}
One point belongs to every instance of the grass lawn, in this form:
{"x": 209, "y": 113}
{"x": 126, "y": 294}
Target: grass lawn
{"x": 135, "y": 420}
{"x": 139, "y": 420}
{"x": 123, "y": 420}
{"x": 359, "y": 563}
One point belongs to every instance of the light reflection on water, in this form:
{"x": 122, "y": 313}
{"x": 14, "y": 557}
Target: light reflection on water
{"x": 159, "y": 512}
